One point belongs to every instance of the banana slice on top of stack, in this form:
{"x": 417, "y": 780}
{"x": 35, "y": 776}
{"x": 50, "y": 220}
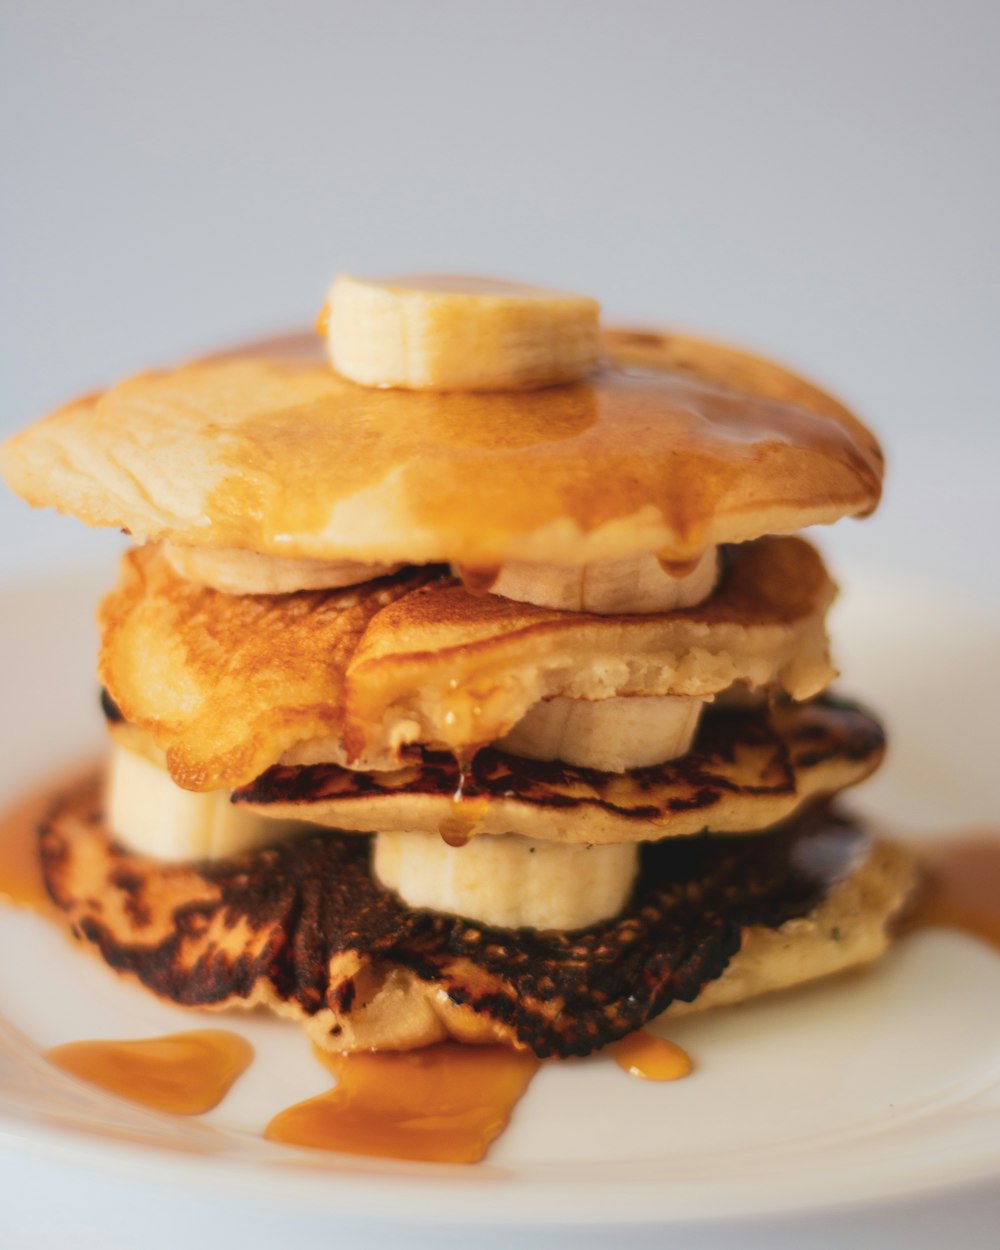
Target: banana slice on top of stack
{"x": 506, "y": 598}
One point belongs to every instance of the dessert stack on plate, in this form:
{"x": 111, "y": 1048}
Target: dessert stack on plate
{"x": 469, "y": 683}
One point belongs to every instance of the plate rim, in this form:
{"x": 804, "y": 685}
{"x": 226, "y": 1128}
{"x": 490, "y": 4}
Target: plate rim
{"x": 313, "y": 1177}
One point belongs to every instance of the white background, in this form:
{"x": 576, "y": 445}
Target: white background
{"x": 819, "y": 180}
{"x": 813, "y": 178}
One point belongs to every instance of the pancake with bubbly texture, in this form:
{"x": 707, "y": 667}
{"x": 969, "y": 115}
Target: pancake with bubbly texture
{"x": 748, "y": 769}
{"x": 303, "y": 928}
{"x": 672, "y": 446}
{"x": 227, "y": 685}
{"x": 445, "y": 666}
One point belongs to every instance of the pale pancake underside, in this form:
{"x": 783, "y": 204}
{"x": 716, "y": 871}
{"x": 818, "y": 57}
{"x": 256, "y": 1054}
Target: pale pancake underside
{"x": 226, "y": 685}
{"x": 674, "y": 446}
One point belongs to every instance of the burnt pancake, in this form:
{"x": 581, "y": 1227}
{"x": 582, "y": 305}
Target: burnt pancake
{"x": 748, "y": 769}
{"x": 673, "y": 445}
{"x": 226, "y": 684}
{"x": 303, "y": 928}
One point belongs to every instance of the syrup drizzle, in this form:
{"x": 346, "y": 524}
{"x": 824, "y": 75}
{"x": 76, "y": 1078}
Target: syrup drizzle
{"x": 445, "y": 1104}
{"x": 678, "y": 568}
{"x": 479, "y": 579}
{"x": 677, "y": 427}
{"x": 651, "y": 1058}
{"x": 459, "y": 825}
{"x": 21, "y": 883}
{"x": 962, "y": 888}
{"x": 465, "y": 812}
{"x": 185, "y": 1073}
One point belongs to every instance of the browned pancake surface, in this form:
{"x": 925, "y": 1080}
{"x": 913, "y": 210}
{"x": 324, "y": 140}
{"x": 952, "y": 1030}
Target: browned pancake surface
{"x": 226, "y": 684}
{"x": 303, "y": 927}
{"x": 748, "y": 769}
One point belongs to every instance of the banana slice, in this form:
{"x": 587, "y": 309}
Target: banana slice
{"x": 508, "y": 881}
{"x": 612, "y": 735}
{"x": 608, "y": 587}
{"x": 456, "y": 333}
{"x": 149, "y": 813}
{"x": 236, "y": 572}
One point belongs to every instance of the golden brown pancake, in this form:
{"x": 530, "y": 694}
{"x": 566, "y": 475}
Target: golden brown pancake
{"x": 748, "y": 769}
{"x": 226, "y": 685}
{"x": 672, "y": 446}
{"x": 450, "y": 667}
{"x": 243, "y": 465}
{"x": 303, "y": 928}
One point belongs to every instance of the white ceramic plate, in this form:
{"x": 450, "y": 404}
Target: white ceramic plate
{"x": 878, "y": 1085}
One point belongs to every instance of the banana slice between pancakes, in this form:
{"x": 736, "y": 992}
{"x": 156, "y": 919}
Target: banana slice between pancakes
{"x": 226, "y": 685}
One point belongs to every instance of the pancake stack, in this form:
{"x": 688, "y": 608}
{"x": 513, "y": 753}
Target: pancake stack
{"x": 470, "y": 682}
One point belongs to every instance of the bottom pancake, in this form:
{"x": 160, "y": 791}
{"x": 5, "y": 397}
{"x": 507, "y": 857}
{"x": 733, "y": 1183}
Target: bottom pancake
{"x": 303, "y": 928}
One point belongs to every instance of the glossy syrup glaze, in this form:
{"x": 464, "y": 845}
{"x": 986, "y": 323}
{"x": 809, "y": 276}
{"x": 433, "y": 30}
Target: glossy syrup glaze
{"x": 445, "y": 1104}
{"x": 465, "y": 812}
{"x": 678, "y": 568}
{"x": 479, "y": 579}
{"x": 961, "y": 887}
{"x": 184, "y": 1073}
{"x": 672, "y": 445}
{"x": 652, "y": 1058}
{"x": 21, "y": 882}
{"x": 689, "y": 429}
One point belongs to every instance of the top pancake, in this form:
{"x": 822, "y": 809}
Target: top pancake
{"x": 673, "y": 445}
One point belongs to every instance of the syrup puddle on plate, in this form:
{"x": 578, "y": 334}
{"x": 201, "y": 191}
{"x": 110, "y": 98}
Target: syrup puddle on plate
{"x": 652, "y": 1058}
{"x": 21, "y": 883}
{"x": 444, "y": 1104}
{"x": 185, "y": 1073}
{"x": 961, "y": 888}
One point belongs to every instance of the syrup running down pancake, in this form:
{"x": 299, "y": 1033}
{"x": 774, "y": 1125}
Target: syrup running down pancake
{"x": 227, "y": 684}
{"x": 748, "y": 769}
{"x": 674, "y": 445}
